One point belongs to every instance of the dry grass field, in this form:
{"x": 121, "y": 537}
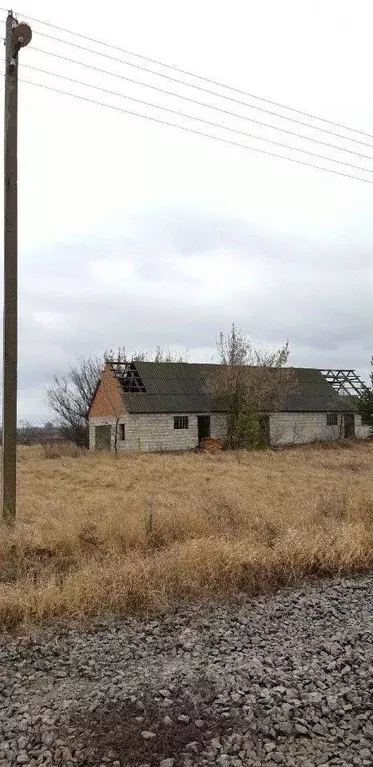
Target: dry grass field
{"x": 98, "y": 535}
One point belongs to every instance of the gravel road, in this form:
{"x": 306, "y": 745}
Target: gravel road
{"x": 284, "y": 680}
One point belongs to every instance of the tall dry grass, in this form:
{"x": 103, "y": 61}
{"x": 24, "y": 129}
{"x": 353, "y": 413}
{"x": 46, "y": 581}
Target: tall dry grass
{"x": 100, "y": 535}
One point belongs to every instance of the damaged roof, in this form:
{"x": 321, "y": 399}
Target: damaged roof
{"x": 182, "y": 387}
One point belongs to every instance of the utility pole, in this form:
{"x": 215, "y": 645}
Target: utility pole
{"x": 17, "y": 36}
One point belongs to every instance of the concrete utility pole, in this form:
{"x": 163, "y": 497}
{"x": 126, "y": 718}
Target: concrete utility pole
{"x": 17, "y": 36}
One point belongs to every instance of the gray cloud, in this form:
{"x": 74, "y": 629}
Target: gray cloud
{"x": 177, "y": 280}
{"x": 135, "y": 233}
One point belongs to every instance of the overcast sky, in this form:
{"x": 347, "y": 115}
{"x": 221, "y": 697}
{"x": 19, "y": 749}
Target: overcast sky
{"x": 133, "y": 233}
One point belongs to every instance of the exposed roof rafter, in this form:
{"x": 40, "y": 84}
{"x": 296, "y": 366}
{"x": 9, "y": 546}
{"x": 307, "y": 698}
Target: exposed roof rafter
{"x": 345, "y": 382}
{"x": 128, "y": 376}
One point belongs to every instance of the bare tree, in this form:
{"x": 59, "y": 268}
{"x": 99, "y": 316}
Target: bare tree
{"x": 70, "y": 395}
{"x": 162, "y": 355}
{"x": 248, "y": 384}
{"x": 365, "y": 403}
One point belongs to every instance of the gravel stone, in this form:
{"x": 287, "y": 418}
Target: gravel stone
{"x": 280, "y": 680}
{"x": 167, "y": 720}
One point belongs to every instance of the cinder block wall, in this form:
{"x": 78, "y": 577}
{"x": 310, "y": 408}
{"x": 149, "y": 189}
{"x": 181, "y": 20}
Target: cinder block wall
{"x": 219, "y": 426}
{"x": 361, "y": 430}
{"x": 100, "y": 421}
{"x": 155, "y": 432}
{"x": 300, "y": 428}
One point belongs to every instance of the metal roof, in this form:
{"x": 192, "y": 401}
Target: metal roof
{"x": 181, "y": 387}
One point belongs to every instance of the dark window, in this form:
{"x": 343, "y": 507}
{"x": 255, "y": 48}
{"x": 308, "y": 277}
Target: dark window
{"x": 122, "y": 431}
{"x": 181, "y": 422}
{"x": 332, "y": 419}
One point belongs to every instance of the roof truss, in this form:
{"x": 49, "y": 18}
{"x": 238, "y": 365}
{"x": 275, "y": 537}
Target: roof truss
{"x": 345, "y": 382}
{"x": 128, "y": 376}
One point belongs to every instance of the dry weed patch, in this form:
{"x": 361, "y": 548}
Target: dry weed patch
{"x": 100, "y": 535}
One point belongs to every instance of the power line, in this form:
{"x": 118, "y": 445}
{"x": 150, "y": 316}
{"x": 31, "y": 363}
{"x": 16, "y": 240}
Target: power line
{"x": 204, "y": 90}
{"x": 178, "y": 113}
{"x": 197, "y": 132}
{"x": 199, "y": 77}
{"x": 201, "y": 103}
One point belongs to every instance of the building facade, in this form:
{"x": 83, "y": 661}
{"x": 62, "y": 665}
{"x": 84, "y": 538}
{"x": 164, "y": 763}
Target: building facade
{"x": 157, "y": 407}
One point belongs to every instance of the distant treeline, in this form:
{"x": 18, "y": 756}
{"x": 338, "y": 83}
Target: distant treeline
{"x": 37, "y": 435}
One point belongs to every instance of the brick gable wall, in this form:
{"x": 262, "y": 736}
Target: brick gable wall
{"x": 108, "y": 400}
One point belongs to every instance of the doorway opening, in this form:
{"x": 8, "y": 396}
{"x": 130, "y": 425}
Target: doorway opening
{"x": 204, "y": 427}
{"x": 349, "y": 425}
{"x": 103, "y": 438}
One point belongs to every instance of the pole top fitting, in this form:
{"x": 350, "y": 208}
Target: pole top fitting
{"x": 21, "y": 34}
